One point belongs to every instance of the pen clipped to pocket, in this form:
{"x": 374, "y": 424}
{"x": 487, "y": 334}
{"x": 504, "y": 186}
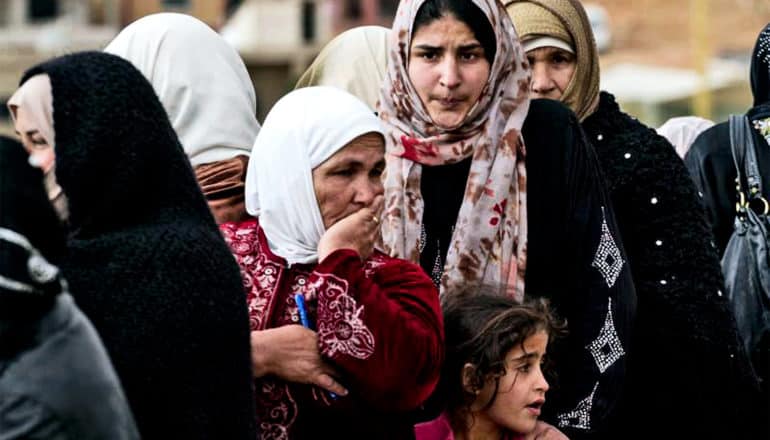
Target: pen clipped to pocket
{"x": 305, "y": 320}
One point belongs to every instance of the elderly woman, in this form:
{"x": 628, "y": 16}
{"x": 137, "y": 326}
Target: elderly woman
{"x": 145, "y": 260}
{"x": 683, "y": 316}
{"x": 482, "y": 187}
{"x": 212, "y": 105}
{"x": 370, "y": 323}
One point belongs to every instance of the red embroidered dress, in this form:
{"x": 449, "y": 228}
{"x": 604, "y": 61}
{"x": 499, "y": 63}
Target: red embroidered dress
{"x": 378, "y": 322}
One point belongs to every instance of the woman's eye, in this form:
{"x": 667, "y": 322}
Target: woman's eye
{"x": 560, "y": 59}
{"x": 376, "y": 172}
{"x": 428, "y": 55}
{"x": 524, "y": 368}
{"x": 344, "y": 172}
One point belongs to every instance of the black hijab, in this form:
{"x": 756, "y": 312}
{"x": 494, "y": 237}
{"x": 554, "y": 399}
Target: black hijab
{"x": 31, "y": 243}
{"x": 31, "y": 237}
{"x": 146, "y": 262}
{"x": 117, "y": 156}
{"x": 760, "y": 68}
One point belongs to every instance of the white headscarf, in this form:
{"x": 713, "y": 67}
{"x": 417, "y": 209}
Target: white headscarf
{"x": 201, "y": 81}
{"x": 302, "y": 130}
{"x": 682, "y": 131}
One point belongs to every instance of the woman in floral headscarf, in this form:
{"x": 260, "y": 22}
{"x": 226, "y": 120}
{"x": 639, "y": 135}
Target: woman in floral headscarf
{"x": 683, "y": 316}
{"x": 472, "y": 204}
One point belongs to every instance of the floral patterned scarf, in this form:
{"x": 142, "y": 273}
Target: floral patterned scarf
{"x": 489, "y": 240}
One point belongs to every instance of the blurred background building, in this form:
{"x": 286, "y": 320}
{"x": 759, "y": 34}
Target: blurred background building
{"x": 661, "y": 58}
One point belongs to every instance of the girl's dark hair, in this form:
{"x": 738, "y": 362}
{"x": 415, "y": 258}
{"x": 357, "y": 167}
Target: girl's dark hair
{"x": 481, "y": 327}
{"x": 465, "y": 11}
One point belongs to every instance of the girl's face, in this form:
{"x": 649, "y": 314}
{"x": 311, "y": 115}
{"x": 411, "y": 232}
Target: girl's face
{"x": 552, "y": 70}
{"x": 520, "y": 393}
{"x": 448, "y": 69}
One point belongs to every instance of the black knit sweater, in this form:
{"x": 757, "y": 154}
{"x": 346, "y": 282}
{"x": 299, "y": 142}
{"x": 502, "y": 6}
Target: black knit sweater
{"x": 146, "y": 261}
{"x": 687, "y": 369}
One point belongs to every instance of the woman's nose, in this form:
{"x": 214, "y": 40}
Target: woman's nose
{"x": 541, "y": 80}
{"x": 367, "y": 191}
{"x": 450, "y": 74}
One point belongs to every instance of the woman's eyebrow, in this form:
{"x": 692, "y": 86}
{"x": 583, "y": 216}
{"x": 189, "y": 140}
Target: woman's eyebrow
{"x": 471, "y": 46}
{"x": 427, "y": 47}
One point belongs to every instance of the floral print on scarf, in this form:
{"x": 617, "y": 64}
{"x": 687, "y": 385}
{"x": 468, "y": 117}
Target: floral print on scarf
{"x": 489, "y": 240}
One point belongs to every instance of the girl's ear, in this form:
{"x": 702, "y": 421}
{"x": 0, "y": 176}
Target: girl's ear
{"x": 468, "y": 373}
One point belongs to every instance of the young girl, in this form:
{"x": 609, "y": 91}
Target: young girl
{"x": 492, "y": 383}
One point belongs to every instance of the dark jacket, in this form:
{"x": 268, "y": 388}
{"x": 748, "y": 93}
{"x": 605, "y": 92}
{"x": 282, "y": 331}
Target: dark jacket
{"x": 62, "y": 385}
{"x": 570, "y": 225}
{"x": 687, "y": 365}
{"x": 146, "y": 262}
{"x": 575, "y": 257}
{"x": 56, "y": 381}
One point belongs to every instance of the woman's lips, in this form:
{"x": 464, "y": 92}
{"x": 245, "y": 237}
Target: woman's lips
{"x": 449, "y": 102}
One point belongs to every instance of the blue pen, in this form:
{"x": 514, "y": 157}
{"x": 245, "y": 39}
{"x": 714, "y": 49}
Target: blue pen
{"x": 302, "y": 308}
{"x": 303, "y": 318}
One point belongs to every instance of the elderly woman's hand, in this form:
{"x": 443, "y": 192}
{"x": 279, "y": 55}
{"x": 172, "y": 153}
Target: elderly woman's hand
{"x": 358, "y": 231}
{"x": 291, "y": 353}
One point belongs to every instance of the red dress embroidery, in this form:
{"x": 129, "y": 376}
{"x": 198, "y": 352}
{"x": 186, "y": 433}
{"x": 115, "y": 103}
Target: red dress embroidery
{"x": 352, "y": 304}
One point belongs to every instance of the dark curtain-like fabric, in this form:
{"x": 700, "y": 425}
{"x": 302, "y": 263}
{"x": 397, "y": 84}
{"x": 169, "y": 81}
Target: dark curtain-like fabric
{"x": 683, "y": 316}
{"x": 443, "y": 188}
{"x": 576, "y": 258}
{"x": 760, "y": 68}
{"x": 569, "y": 217}
{"x": 146, "y": 261}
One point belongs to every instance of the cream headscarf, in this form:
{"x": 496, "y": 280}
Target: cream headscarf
{"x": 35, "y": 96}
{"x": 489, "y": 240}
{"x": 557, "y": 18}
{"x": 683, "y": 131}
{"x": 201, "y": 81}
{"x": 355, "y": 61}
{"x": 302, "y": 130}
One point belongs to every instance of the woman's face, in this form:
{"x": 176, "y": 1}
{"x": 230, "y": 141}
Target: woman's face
{"x": 521, "y": 390}
{"x": 448, "y": 69}
{"x": 350, "y": 179}
{"x": 552, "y": 70}
{"x": 41, "y": 153}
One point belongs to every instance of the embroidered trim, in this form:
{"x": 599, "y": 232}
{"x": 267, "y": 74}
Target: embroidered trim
{"x": 763, "y": 127}
{"x": 260, "y": 276}
{"x": 341, "y": 329}
{"x": 580, "y": 417}
{"x": 276, "y": 409}
{"x": 606, "y": 349}
{"x": 608, "y": 259}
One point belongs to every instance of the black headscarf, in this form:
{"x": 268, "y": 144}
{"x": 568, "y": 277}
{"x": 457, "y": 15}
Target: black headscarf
{"x": 760, "y": 68}
{"x": 31, "y": 237}
{"x": 117, "y": 155}
{"x": 146, "y": 262}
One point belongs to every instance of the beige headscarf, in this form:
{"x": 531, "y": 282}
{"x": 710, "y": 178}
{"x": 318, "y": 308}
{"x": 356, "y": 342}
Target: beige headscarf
{"x": 35, "y": 96}
{"x": 355, "y": 61}
{"x": 489, "y": 240}
{"x": 557, "y": 18}
{"x": 682, "y": 132}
